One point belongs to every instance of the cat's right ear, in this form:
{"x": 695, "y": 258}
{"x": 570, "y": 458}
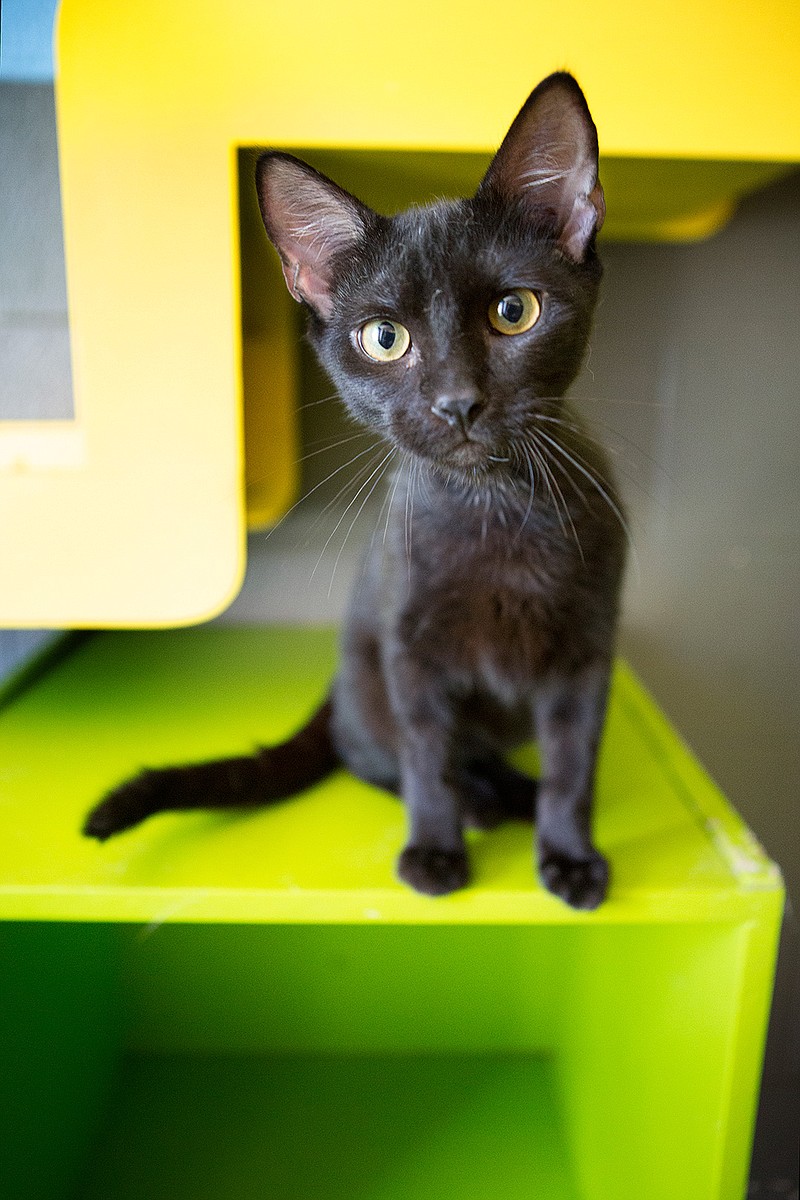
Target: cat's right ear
{"x": 549, "y": 161}
{"x": 310, "y": 220}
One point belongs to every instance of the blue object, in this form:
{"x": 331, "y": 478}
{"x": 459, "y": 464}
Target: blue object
{"x": 26, "y": 40}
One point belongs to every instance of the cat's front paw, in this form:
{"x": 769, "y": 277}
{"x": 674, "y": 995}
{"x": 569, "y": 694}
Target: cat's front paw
{"x": 127, "y": 805}
{"x": 432, "y": 871}
{"x": 581, "y": 884}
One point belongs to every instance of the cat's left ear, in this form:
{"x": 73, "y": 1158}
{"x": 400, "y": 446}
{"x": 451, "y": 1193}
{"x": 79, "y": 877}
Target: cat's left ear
{"x": 549, "y": 160}
{"x": 310, "y": 220}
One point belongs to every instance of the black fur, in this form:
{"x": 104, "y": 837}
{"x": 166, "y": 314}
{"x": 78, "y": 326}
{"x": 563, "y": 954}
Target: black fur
{"x": 488, "y": 612}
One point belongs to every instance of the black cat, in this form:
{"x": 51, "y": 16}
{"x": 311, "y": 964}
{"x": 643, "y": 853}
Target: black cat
{"x": 488, "y": 612}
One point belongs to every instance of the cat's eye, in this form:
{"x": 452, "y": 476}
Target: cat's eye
{"x": 515, "y": 312}
{"x": 384, "y": 340}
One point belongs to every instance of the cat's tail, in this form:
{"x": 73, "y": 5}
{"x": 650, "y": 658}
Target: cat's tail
{"x": 271, "y": 774}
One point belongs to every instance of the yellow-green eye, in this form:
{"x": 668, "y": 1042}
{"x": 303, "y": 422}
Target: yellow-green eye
{"x": 515, "y": 312}
{"x": 384, "y": 340}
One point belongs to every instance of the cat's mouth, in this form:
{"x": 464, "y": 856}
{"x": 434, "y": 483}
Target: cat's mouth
{"x": 464, "y": 452}
{"x": 471, "y": 453}
{"x": 468, "y": 453}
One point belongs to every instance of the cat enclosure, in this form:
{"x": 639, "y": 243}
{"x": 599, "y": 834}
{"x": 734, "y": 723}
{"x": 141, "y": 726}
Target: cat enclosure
{"x": 252, "y": 1006}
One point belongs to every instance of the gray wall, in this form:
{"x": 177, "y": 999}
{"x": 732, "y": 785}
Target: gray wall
{"x": 34, "y": 339}
{"x": 697, "y": 354}
{"x": 35, "y": 376}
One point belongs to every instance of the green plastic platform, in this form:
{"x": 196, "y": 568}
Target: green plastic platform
{"x": 225, "y": 1007}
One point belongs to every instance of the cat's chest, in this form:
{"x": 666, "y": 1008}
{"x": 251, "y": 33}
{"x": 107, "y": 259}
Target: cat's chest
{"x": 500, "y": 582}
{"x": 483, "y": 600}
{"x": 496, "y": 622}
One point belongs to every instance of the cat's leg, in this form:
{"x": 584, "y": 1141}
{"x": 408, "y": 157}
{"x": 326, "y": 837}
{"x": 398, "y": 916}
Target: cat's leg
{"x": 363, "y": 724}
{"x": 434, "y": 860}
{"x": 494, "y": 792}
{"x": 569, "y": 714}
{"x": 366, "y": 737}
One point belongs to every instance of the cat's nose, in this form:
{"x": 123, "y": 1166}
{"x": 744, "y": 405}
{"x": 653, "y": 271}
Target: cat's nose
{"x": 458, "y": 408}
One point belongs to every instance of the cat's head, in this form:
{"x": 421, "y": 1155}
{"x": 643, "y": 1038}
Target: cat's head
{"x": 446, "y": 327}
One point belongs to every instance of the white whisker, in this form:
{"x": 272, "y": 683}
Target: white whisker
{"x": 532, "y": 478}
{"x": 317, "y": 486}
{"x": 485, "y": 518}
{"x": 615, "y": 433}
{"x": 597, "y": 482}
{"x": 410, "y": 511}
{"x": 314, "y": 403}
{"x": 347, "y": 486}
{"x": 346, "y": 511}
{"x": 552, "y": 482}
{"x": 406, "y": 456}
{"x": 331, "y": 446}
{"x": 379, "y": 472}
{"x": 557, "y": 463}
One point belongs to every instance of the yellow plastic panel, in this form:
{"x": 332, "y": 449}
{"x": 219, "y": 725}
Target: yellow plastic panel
{"x": 647, "y": 199}
{"x": 134, "y": 514}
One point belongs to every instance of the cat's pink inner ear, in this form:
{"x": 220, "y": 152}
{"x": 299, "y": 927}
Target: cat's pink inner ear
{"x": 586, "y": 218}
{"x": 549, "y": 160}
{"x": 310, "y": 220}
